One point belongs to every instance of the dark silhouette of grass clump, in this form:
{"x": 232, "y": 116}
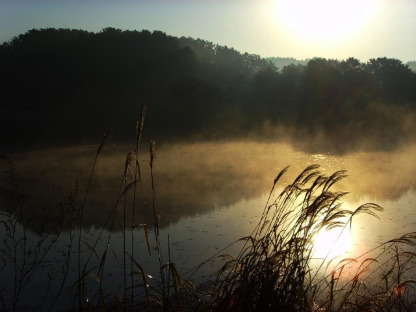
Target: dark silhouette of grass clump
{"x": 274, "y": 271}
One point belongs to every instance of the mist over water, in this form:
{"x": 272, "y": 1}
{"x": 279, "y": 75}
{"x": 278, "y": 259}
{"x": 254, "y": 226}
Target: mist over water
{"x": 208, "y": 194}
{"x": 194, "y": 178}
{"x": 225, "y": 123}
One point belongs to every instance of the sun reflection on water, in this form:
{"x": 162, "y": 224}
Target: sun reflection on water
{"x": 332, "y": 243}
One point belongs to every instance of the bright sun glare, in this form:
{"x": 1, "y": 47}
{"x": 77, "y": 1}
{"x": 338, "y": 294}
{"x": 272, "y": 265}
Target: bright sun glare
{"x": 332, "y": 243}
{"x": 319, "y": 20}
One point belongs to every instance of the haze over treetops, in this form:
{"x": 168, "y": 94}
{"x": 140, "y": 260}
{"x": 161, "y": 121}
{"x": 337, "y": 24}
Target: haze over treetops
{"x": 70, "y": 86}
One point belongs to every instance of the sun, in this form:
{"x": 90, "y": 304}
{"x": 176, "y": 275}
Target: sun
{"x": 324, "y": 20}
{"x": 332, "y": 243}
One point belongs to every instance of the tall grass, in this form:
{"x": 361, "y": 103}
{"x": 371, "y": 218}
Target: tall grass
{"x": 137, "y": 176}
{"x": 25, "y": 254}
{"x": 275, "y": 269}
{"x": 158, "y": 296}
{"x": 82, "y": 273}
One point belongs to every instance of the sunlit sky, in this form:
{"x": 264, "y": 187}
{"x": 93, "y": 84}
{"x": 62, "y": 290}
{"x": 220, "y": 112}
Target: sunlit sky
{"x": 287, "y": 28}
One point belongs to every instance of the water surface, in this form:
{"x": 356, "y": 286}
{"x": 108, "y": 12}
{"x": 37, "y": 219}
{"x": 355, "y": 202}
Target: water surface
{"x": 207, "y": 194}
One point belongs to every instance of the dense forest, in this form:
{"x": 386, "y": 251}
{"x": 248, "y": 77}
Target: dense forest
{"x": 61, "y": 86}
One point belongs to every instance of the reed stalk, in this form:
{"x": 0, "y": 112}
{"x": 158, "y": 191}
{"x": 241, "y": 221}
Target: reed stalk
{"x": 137, "y": 175}
{"x": 273, "y": 270}
{"x": 81, "y": 288}
{"x": 156, "y": 220}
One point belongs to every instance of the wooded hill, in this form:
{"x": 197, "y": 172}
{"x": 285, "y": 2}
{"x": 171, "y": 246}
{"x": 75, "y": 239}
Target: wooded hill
{"x": 61, "y": 86}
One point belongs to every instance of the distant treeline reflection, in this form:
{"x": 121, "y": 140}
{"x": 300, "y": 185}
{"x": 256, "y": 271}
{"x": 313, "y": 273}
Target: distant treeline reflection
{"x": 61, "y": 86}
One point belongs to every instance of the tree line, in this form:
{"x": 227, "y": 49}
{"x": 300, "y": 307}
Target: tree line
{"x": 62, "y": 86}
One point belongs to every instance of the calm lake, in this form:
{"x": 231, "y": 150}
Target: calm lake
{"x": 207, "y": 195}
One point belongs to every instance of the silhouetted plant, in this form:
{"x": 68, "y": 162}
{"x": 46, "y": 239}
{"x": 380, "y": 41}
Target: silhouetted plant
{"x": 24, "y": 253}
{"x": 274, "y": 270}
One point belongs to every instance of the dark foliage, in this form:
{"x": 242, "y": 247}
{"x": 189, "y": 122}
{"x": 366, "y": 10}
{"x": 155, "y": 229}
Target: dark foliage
{"x": 61, "y": 86}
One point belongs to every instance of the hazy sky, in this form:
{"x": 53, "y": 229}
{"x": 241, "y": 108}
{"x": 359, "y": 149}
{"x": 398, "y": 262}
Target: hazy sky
{"x": 288, "y": 28}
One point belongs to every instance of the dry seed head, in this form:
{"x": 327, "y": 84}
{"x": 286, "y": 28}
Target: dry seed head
{"x": 139, "y": 127}
{"x": 129, "y": 159}
{"x": 152, "y": 153}
{"x": 102, "y": 143}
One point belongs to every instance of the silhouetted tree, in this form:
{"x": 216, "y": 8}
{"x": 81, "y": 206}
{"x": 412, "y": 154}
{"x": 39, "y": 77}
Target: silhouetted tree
{"x": 62, "y": 86}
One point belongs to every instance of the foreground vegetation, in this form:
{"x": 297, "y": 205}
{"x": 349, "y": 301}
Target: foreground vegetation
{"x": 274, "y": 271}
